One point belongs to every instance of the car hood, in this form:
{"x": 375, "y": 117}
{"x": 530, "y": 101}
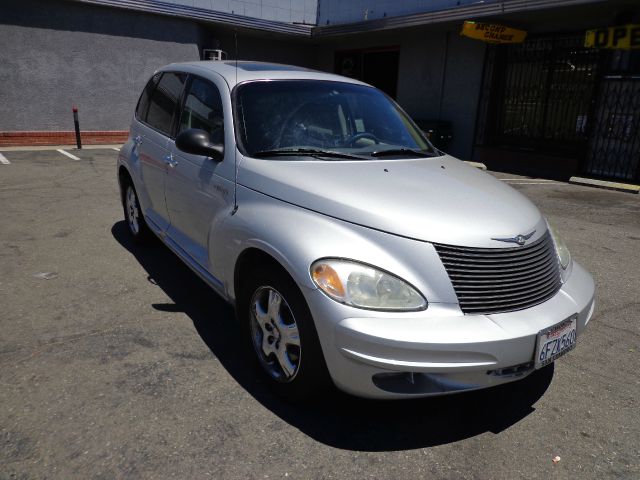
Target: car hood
{"x": 440, "y": 199}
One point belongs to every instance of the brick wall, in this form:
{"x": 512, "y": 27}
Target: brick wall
{"x": 17, "y": 139}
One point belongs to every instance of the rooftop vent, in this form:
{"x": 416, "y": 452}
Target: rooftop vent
{"x": 213, "y": 54}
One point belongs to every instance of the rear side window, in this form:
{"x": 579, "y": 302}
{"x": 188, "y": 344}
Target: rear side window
{"x": 143, "y": 103}
{"x": 203, "y": 110}
{"x": 164, "y": 100}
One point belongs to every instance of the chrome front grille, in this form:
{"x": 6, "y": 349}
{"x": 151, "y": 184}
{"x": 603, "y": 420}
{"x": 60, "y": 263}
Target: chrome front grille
{"x": 494, "y": 280}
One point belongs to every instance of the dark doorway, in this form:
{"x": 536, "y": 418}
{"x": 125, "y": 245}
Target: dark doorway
{"x": 376, "y": 66}
{"x": 614, "y": 141}
{"x": 542, "y": 93}
{"x": 552, "y": 107}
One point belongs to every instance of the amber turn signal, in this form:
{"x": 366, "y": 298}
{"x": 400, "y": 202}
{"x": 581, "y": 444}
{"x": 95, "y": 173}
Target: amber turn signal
{"x": 328, "y": 280}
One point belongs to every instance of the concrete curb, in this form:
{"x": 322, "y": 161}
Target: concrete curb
{"x": 479, "y": 165}
{"x": 591, "y": 182}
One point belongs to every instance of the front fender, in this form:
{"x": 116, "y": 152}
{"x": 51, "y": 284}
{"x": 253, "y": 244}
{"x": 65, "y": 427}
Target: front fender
{"x": 296, "y": 237}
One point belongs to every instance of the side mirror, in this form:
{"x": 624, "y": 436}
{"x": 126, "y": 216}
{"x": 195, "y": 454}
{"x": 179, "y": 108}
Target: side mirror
{"x": 198, "y": 142}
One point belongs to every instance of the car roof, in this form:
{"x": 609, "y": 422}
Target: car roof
{"x": 243, "y": 70}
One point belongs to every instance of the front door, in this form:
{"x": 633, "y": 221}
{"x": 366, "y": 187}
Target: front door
{"x": 198, "y": 195}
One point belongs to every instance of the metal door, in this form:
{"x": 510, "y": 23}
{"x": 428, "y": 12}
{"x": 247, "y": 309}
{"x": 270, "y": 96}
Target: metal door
{"x": 614, "y": 142}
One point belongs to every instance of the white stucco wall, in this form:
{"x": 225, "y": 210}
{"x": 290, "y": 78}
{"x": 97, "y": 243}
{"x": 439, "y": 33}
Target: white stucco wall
{"x": 334, "y": 12}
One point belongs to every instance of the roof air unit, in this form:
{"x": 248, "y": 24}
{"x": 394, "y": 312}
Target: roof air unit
{"x": 214, "y": 54}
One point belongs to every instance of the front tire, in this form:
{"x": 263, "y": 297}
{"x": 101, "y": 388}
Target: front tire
{"x": 282, "y": 335}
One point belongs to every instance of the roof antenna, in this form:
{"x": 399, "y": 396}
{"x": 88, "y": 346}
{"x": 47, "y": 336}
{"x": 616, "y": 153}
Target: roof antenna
{"x": 235, "y": 151}
{"x": 235, "y": 36}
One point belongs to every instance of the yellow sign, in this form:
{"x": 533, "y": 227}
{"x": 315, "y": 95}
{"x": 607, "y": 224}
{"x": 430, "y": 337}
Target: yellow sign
{"x": 624, "y": 37}
{"x": 492, "y": 33}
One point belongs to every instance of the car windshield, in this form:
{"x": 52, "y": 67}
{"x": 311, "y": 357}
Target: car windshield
{"x": 313, "y": 117}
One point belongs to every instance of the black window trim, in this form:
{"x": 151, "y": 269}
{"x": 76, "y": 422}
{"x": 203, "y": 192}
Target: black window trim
{"x": 153, "y": 89}
{"x": 177, "y": 114}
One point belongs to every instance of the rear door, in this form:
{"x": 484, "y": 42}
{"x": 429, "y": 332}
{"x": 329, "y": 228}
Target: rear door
{"x": 199, "y": 190}
{"x": 154, "y": 135}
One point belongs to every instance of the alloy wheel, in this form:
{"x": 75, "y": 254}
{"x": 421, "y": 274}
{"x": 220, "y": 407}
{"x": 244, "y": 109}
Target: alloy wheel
{"x": 275, "y": 334}
{"x": 133, "y": 212}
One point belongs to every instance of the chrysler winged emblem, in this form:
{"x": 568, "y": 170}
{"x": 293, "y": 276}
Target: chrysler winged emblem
{"x": 519, "y": 239}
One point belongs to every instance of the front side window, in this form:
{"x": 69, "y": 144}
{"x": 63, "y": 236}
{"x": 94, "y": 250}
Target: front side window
{"x": 164, "y": 100}
{"x": 312, "y": 114}
{"x": 203, "y": 110}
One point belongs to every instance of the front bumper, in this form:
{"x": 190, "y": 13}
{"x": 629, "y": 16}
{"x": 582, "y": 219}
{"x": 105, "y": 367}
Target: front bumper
{"x": 440, "y": 350}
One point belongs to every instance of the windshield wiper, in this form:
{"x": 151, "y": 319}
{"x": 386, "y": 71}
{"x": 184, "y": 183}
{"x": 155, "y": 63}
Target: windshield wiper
{"x": 402, "y": 151}
{"x": 313, "y": 152}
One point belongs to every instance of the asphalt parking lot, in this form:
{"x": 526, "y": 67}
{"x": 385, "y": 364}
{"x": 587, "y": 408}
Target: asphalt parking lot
{"x": 118, "y": 362}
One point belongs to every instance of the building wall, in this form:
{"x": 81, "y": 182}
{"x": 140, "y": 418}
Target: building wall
{"x": 289, "y": 11}
{"x": 260, "y": 47}
{"x": 463, "y": 81}
{"x": 57, "y": 54}
{"x": 331, "y": 12}
{"x": 54, "y": 56}
{"x": 422, "y": 91}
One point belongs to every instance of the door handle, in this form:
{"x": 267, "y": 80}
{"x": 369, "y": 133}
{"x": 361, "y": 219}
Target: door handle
{"x": 138, "y": 140}
{"x": 169, "y": 160}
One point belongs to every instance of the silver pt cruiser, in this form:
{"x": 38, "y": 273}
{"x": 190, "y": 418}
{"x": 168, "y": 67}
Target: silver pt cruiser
{"x": 353, "y": 250}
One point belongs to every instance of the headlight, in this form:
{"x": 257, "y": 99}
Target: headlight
{"x": 363, "y": 286}
{"x": 563, "y": 252}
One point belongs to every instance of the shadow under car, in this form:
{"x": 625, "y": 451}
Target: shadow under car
{"x": 338, "y": 420}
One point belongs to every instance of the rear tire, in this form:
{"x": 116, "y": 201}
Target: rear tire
{"x": 136, "y": 224}
{"x": 282, "y": 336}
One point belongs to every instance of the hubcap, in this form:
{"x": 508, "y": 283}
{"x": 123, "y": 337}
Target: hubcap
{"x": 132, "y": 210}
{"x": 275, "y": 334}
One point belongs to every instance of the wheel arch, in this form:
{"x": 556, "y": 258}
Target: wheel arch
{"x": 124, "y": 176}
{"x": 251, "y": 258}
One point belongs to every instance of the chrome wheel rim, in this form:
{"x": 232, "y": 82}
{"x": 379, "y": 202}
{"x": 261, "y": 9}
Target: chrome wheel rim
{"x": 133, "y": 213}
{"x": 275, "y": 334}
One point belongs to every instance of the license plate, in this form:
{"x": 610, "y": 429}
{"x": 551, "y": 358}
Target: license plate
{"x": 555, "y": 341}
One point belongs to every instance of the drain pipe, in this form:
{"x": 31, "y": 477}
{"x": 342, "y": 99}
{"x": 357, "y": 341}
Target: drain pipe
{"x": 444, "y": 73}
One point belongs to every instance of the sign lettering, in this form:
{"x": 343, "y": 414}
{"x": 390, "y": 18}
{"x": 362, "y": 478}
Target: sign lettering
{"x": 623, "y": 37}
{"x": 492, "y": 33}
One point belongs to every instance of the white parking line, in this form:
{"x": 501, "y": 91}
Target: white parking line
{"x": 116, "y": 149}
{"x": 72, "y": 157}
{"x": 3, "y": 160}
